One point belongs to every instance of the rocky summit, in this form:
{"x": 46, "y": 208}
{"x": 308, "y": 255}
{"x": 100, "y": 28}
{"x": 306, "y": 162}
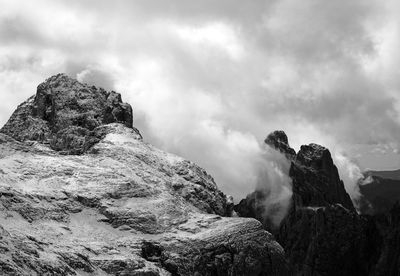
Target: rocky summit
{"x": 279, "y": 141}
{"x": 66, "y": 114}
{"x": 81, "y": 193}
{"x": 322, "y": 234}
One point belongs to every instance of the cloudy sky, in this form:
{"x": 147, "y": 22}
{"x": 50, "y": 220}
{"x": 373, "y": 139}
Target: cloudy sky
{"x": 208, "y": 80}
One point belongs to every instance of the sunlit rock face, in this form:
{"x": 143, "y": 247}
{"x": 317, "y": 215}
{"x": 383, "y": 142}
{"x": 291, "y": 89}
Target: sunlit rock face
{"x": 81, "y": 193}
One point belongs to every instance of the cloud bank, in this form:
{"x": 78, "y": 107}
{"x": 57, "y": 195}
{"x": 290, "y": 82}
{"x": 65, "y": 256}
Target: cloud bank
{"x": 208, "y": 80}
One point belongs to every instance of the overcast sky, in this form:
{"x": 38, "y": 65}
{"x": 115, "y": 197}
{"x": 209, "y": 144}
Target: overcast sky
{"x": 208, "y": 80}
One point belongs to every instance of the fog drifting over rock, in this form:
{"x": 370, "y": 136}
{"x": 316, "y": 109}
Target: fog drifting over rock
{"x": 209, "y": 80}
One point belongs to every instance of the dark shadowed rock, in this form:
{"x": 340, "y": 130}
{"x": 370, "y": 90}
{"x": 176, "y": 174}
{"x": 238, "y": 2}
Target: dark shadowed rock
{"x": 65, "y": 113}
{"x": 389, "y": 228}
{"x": 254, "y": 204}
{"x": 329, "y": 240}
{"x": 322, "y": 229}
{"x": 316, "y": 180}
{"x": 379, "y": 191}
{"x": 279, "y": 141}
{"x": 322, "y": 233}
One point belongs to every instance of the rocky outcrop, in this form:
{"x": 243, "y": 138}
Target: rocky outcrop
{"x": 329, "y": 240}
{"x": 379, "y": 193}
{"x": 322, "y": 233}
{"x": 279, "y": 141}
{"x": 316, "y": 180}
{"x": 120, "y": 207}
{"x": 380, "y": 199}
{"x": 389, "y": 256}
{"x": 66, "y": 113}
{"x": 322, "y": 228}
{"x": 254, "y": 204}
{"x": 242, "y": 248}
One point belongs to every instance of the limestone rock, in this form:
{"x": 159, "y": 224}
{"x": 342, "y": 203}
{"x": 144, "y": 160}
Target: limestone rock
{"x": 119, "y": 207}
{"x": 322, "y": 229}
{"x": 66, "y": 113}
{"x": 320, "y": 241}
{"x": 316, "y": 180}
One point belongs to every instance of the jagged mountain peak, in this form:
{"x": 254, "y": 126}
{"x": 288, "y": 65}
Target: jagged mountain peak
{"x": 277, "y": 136}
{"x": 118, "y": 207}
{"x": 60, "y": 77}
{"x": 65, "y": 114}
{"x": 315, "y": 179}
{"x": 315, "y": 156}
{"x": 321, "y": 220}
{"x": 279, "y": 141}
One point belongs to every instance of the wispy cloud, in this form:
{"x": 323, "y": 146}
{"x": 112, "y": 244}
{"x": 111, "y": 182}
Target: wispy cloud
{"x": 209, "y": 80}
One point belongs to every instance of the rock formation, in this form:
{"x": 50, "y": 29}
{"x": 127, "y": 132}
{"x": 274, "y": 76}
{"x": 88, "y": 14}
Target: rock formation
{"x": 66, "y": 114}
{"x": 279, "y": 141}
{"x": 379, "y": 193}
{"x": 389, "y": 256}
{"x": 322, "y": 233}
{"x": 316, "y": 180}
{"x": 82, "y": 194}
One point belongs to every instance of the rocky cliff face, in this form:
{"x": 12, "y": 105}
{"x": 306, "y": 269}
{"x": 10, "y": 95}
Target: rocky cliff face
{"x": 65, "y": 114}
{"x": 316, "y": 180}
{"x": 389, "y": 227}
{"x": 322, "y": 233}
{"x": 322, "y": 229}
{"x": 82, "y": 194}
{"x": 279, "y": 141}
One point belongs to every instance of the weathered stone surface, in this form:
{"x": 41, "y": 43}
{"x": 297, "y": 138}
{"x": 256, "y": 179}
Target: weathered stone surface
{"x": 66, "y": 113}
{"x": 388, "y": 225}
{"x": 316, "y": 180}
{"x": 121, "y": 207}
{"x": 322, "y": 233}
{"x": 226, "y": 246}
{"x": 24, "y": 255}
{"x": 329, "y": 240}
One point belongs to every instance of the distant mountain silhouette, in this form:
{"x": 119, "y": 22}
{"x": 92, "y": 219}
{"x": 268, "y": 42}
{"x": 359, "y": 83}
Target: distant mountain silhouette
{"x": 380, "y": 191}
{"x": 395, "y": 174}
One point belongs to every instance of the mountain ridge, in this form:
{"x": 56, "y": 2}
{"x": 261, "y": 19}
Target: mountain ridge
{"x": 322, "y": 234}
{"x": 82, "y": 194}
